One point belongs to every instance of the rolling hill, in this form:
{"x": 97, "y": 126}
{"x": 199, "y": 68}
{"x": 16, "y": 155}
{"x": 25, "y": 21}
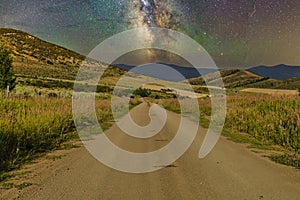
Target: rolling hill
{"x": 237, "y": 78}
{"x": 40, "y": 64}
{"x": 232, "y": 78}
{"x": 37, "y": 58}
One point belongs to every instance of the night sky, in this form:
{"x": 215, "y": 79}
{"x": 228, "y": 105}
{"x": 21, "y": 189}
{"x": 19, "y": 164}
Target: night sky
{"x": 235, "y": 33}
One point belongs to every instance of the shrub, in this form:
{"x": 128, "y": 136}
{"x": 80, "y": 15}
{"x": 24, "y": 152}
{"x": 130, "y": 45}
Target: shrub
{"x": 142, "y": 92}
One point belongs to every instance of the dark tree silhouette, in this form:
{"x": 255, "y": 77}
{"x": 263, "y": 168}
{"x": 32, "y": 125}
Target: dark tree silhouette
{"x": 7, "y": 77}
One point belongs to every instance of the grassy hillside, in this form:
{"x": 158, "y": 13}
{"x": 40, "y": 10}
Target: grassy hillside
{"x": 236, "y": 78}
{"x": 42, "y": 67}
{"x": 291, "y": 84}
{"x": 231, "y": 77}
{"x": 31, "y": 48}
{"x": 36, "y": 58}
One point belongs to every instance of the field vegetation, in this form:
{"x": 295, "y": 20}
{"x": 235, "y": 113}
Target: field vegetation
{"x": 30, "y": 126}
{"x": 265, "y": 121}
{"x": 270, "y": 119}
{"x": 37, "y": 117}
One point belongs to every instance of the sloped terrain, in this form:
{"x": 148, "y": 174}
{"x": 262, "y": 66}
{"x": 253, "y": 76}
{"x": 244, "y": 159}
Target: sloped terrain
{"x": 236, "y": 78}
{"x": 36, "y": 58}
{"x": 231, "y": 78}
{"x": 40, "y": 64}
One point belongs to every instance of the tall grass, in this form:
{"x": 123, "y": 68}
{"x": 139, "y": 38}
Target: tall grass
{"x": 268, "y": 119}
{"x": 34, "y": 125}
{"x": 29, "y": 126}
{"x": 204, "y": 108}
{"x": 274, "y": 119}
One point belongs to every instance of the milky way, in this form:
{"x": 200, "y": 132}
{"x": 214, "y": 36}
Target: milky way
{"x": 152, "y": 13}
{"x": 236, "y": 33}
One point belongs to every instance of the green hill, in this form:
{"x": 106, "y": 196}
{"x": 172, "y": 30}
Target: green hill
{"x": 237, "y": 78}
{"x": 37, "y": 58}
{"x": 40, "y": 64}
{"x": 26, "y": 46}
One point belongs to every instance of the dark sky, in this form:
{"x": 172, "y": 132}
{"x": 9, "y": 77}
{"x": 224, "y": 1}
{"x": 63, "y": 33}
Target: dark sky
{"x": 235, "y": 33}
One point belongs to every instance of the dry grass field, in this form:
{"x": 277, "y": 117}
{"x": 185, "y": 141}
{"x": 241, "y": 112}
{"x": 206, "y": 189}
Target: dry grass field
{"x": 270, "y": 91}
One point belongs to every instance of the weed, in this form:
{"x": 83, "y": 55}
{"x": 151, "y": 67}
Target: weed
{"x": 290, "y": 160}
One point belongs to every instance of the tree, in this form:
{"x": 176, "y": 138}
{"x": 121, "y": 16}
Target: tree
{"x": 7, "y": 77}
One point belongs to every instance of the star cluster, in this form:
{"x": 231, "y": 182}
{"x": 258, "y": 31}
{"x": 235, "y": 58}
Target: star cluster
{"x": 236, "y": 33}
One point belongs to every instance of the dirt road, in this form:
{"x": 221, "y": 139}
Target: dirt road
{"x": 231, "y": 171}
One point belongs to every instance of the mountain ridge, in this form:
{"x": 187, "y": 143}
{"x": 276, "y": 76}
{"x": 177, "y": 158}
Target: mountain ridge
{"x": 280, "y": 71}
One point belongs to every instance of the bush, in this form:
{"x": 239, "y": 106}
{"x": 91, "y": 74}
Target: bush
{"x": 142, "y": 92}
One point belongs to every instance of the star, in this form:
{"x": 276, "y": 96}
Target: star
{"x": 261, "y": 31}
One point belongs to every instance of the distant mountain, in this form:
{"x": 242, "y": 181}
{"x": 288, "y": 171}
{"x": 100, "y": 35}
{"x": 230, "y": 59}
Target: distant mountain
{"x": 166, "y": 73}
{"x": 277, "y": 72}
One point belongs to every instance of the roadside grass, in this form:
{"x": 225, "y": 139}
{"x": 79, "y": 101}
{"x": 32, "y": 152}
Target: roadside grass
{"x": 250, "y": 140}
{"x": 12, "y": 185}
{"x": 174, "y": 106}
{"x": 287, "y": 159}
{"x": 269, "y": 119}
{"x": 32, "y": 126}
{"x": 265, "y": 122}
{"x": 54, "y": 157}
